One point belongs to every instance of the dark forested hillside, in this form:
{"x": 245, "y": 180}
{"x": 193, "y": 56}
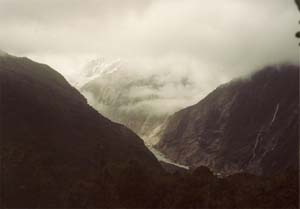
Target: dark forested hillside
{"x": 51, "y": 140}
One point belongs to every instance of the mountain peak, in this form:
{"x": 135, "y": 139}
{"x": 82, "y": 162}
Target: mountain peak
{"x": 102, "y": 65}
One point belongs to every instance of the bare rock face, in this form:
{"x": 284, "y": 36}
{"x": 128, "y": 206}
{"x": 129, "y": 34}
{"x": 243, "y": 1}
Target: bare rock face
{"x": 55, "y": 148}
{"x": 247, "y": 125}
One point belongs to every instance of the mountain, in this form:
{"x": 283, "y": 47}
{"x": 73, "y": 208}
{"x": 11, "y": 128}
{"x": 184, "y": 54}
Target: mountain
{"x": 56, "y": 150}
{"x": 132, "y": 96}
{"x": 247, "y": 125}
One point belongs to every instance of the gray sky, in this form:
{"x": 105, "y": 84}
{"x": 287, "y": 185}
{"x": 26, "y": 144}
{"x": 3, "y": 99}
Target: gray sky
{"x": 210, "y": 40}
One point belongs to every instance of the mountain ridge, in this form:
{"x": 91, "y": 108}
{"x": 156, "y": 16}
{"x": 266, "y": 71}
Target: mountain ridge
{"x": 52, "y": 139}
{"x": 212, "y": 123}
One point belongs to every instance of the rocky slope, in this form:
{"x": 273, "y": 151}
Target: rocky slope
{"x": 249, "y": 124}
{"x": 54, "y": 146}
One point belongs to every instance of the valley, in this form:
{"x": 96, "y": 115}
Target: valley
{"x": 57, "y": 151}
{"x": 203, "y": 134}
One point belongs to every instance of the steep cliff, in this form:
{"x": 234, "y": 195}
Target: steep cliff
{"x": 249, "y": 124}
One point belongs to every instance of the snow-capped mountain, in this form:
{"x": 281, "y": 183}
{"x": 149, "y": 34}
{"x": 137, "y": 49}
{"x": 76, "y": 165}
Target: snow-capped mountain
{"x": 96, "y": 68}
{"x": 126, "y": 94}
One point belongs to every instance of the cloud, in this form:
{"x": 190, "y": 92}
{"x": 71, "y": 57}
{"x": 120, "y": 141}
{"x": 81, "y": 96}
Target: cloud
{"x": 212, "y": 40}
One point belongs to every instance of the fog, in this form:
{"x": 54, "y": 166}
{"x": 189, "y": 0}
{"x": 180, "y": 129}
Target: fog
{"x": 209, "y": 42}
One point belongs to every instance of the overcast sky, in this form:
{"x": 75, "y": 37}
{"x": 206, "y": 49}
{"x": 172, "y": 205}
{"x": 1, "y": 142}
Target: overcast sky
{"x": 210, "y": 38}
